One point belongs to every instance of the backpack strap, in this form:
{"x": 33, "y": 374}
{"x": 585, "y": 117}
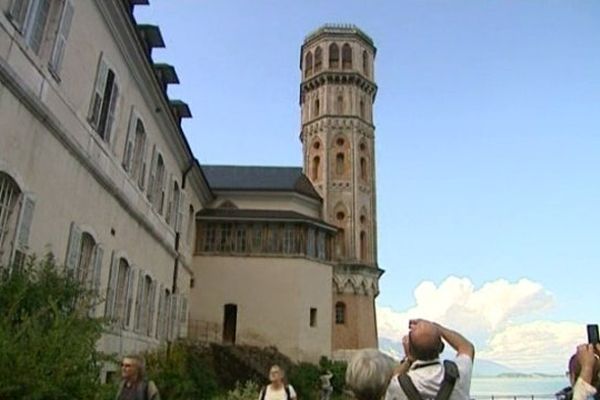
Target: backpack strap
{"x": 263, "y": 393}
{"x": 288, "y": 395}
{"x": 450, "y": 376}
{"x": 408, "y": 387}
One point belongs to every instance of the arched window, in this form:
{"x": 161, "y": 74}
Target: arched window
{"x": 339, "y": 105}
{"x": 363, "y": 169}
{"x": 363, "y": 245}
{"x": 159, "y": 185}
{"x": 346, "y": 56}
{"x": 317, "y": 110}
{"x": 120, "y": 305}
{"x": 340, "y": 313}
{"x": 315, "y": 168}
{"x": 339, "y": 164}
{"x": 361, "y": 109}
{"x": 148, "y": 304}
{"x": 9, "y": 198}
{"x": 138, "y": 167}
{"x": 85, "y": 267}
{"x": 318, "y": 59}
{"x": 308, "y": 64}
{"x": 340, "y": 243}
{"x": 334, "y": 56}
{"x": 365, "y": 62}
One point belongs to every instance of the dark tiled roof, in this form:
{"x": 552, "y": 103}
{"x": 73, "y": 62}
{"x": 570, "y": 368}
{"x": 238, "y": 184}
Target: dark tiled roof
{"x": 285, "y": 179}
{"x": 259, "y": 215}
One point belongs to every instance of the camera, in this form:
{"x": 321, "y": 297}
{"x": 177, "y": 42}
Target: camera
{"x": 592, "y": 332}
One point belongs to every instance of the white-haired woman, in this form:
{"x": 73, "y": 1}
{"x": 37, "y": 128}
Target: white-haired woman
{"x": 369, "y": 373}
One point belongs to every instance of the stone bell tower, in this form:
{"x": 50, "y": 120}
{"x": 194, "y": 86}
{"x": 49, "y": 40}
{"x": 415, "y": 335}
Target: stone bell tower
{"x": 337, "y": 93}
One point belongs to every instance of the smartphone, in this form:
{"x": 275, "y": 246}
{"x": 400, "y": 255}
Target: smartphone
{"x": 592, "y": 331}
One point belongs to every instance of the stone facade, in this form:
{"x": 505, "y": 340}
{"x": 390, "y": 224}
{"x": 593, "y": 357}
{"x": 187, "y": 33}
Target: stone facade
{"x": 94, "y": 168}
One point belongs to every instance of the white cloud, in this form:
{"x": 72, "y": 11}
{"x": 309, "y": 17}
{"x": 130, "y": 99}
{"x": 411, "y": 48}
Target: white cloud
{"x": 490, "y": 315}
{"x": 543, "y": 346}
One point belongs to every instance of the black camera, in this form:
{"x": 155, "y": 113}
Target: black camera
{"x": 592, "y": 332}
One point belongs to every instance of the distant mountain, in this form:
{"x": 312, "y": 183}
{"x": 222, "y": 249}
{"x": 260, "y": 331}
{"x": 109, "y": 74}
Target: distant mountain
{"x": 481, "y": 367}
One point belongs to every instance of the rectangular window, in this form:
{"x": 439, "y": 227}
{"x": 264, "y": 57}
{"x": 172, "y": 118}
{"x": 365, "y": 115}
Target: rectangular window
{"x": 210, "y": 237}
{"x": 30, "y": 17}
{"x": 225, "y": 238}
{"x": 273, "y": 239}
{"x": 104, "y": 101}
{"x": 62, "y": 33}
{"x": 257, "y": 238}
{"x": 313, "y": 317}
{"x": 240, "y": 239}
{"x": 321, "y": 245}
{"x": 310, "y": 243}
{"x": 289, "y": 239}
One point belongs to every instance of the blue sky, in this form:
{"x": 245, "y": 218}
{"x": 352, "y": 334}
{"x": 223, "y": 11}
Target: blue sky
{"x": 488, "y": 134}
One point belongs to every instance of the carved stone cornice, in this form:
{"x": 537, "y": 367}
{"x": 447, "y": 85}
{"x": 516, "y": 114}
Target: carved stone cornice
{"x": 357, "y": 279}
{"x": 338, "y": 77}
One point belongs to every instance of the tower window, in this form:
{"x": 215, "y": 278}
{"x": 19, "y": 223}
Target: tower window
{"x": 318, "y": 59}
{"x": 308, "y": 64}
{"x": 363, "y": 245}
{"x": 363, "y": 168}
{"x": 340, "y": 141}
{"x": 317, "y": 108}
{"x": 363, "y": 219}
{"x": 365, "y": 62}
{"x": 313, "y": 317}
{"x": 339, "y": 164}
{"x": 361, "y": 109}
{"x": 315, "y": 168}
{"x": 346, "y": 56}
{"x": 334, "y": 56}
{"x": 339, "y": 109}
{"x": 316, "y": 145}
{"x": 363, "y": 146}
{"x": 340, "y": 313}
{"x": 340, "y": 215}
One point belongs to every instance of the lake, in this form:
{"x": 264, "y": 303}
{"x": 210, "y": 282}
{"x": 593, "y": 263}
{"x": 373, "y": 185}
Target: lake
{"x": 484, "y": 388}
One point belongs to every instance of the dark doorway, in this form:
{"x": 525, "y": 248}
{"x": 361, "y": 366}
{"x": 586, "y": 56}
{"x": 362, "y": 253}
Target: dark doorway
{"x": 229, "y": 323}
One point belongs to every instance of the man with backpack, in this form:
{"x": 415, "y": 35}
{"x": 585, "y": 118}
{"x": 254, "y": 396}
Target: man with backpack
{"x": 134, "y": 385}
{"x": 422, "y": 376}
{"x": 277, "y": 389}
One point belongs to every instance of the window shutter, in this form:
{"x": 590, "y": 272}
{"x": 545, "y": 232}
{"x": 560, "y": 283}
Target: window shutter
{"x": 128, "y": 320}
{"x": 73, "y": 248}
{"x": 112, "y": 111}
{"x": 180, "y": 209}
{"x": 160, "y": 316}
{"x": 61, "y": 36}
{"x": 98, "y": 95}
{"x": 98, "y": 254}
{"x": 18, "y": 12}
{"x": 151, "y": 307}
{"x": 142, "y": 172}
{"x": 152, "y": 176}
{"x": 110, "y": 288}
{"x": 173, "y": 317}
{"x": 170, "y": 201}
{"x": 128, "y": 152}
{"x": 183, "y": 317}
{"x": 139, "y": 302}
{"x": 37, "y": 24}
{"x": 21, "y": 244}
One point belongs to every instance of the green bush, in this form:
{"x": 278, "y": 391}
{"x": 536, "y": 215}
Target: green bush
{"x": 183, "y": 372}
{"x": 247, "y": 391}
{"x": 47, "y": 338}
{"x": 304, "y": 377}
{"x": 338, "y": 369}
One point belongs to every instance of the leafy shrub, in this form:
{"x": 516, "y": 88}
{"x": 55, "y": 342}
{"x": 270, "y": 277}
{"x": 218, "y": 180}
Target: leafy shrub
{"x": 338, "y": 370}
{"x": 183, "y": 372}
{"x": 47, "y": 337}
{"x": 247, "y": 391}
{"x": 304, "y": 377}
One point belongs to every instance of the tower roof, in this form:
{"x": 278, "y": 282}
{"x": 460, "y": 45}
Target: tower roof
{"x": 338, "y": 29}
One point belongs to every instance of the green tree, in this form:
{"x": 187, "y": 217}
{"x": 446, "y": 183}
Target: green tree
{"x": 47, "y": 337}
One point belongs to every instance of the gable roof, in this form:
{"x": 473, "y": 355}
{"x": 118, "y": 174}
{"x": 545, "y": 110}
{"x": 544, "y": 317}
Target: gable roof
{"x": 251, "y": 178}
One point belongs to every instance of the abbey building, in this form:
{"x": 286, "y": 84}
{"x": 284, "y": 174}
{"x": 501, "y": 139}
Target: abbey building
{"x": 95, "y": 168}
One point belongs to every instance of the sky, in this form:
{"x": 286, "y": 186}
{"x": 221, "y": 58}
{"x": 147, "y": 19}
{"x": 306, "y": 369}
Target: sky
{"x": 487, "y": 149}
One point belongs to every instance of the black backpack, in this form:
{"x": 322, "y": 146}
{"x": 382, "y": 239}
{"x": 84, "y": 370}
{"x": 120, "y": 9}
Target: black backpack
{"x": 450, "y": 377}
{"x": 288, "y": 396}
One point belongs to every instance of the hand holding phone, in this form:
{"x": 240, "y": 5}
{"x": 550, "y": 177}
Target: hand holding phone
{"x": 592, "y": 332}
